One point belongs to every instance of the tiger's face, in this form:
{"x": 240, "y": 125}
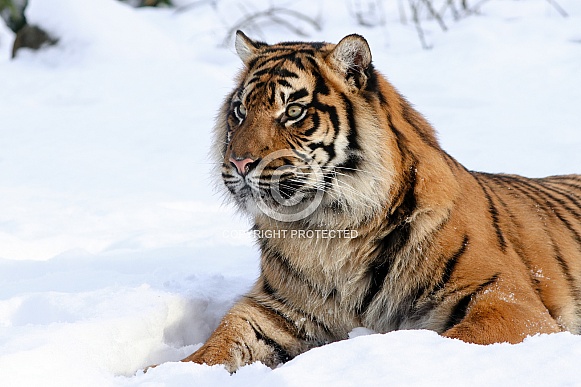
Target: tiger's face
{"x": 291, "y": 141}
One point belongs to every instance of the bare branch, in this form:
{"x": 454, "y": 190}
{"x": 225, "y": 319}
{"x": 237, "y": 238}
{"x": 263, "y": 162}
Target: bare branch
{"x": 401, "y": 8}
{"x": 419, "y": 29}
{"x": 559, "y": 9}
{"x": 272, "y": 14}
{"x": 370, "y": 14}
{"x": 435, "y": 14}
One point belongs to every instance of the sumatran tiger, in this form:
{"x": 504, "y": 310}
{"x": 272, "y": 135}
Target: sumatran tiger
{"x": 364, "y": 221}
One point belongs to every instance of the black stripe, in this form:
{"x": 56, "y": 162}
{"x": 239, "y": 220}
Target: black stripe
{"x": 281, "y": 354}
{"x": 453, "y": 163}
{"x": 331, "y": 111}
{"x": 329, "y": 149}
{"x": 299, "y": 63}
{"x": 404, "y": 197}
{"x": 409, "y": 202}
{"x": 321, "y": 86}
{"x": 389, "y": 247}
{"x": 573, "y": 199}
{"x": 252, "y": 80}
{"x": 352, "y": 137}
{"x": 272, "y": 93}
{"x": 547, "y": 198}
{"x": 378, "y": 270}
{"x": 286, "y": 47}
{"x": 273, "y": 257}
{"x": 316, "y": 122}
{"x": 416, "y": 121}
{"x": 356, "y": 76}
{"x": 513, "y": 183}
{"x": 267, "y": 287}
{"x": 253, "y": 62}
{"x": 372, "y": 85}
{"x": 459, "y": 311}
{"x": 260, "y": 73}
{"x": 245, "y": 348}
{"x": 314, "y": 45}
{"x": 565, "y": 185}
{"x": 576, "y": 178}
{"x": 451, "y": 265}
{"x": 298, "y": 94}
{"x": 574, "y": 289}
{"x": 555, "y": 180}
{"x": 283, "y": 82}
{"x": 275, "y": 60}
{"x": 238, "y": 93}
{"x": 320, "y": 82}
{"x": 266, "y": 70}
{"x": 284, "y": 73}
{"x": 566, "y": 272}
{"x": 401, "y": 140}
{"x": 313, "y": 62}
{"x": 276, "y": 297}
{"x": 493, "y": 214}
{"x": 521, "y": 252}
{"x": 290, "y": 324}
{"x": 277, "y": 48}
{"x": 350, "y": 165}
{"x": 250, "y": 97}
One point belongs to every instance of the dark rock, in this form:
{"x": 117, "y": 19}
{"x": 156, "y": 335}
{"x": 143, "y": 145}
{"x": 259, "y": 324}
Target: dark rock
{"x": 32, "y": 37}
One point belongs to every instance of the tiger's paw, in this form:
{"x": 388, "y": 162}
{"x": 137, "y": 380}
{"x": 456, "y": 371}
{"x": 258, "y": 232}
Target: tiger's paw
{"x": 214, "y": 356}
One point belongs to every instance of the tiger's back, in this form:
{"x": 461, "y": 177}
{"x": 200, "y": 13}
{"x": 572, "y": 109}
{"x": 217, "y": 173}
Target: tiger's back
{"x": 540, "y": 221}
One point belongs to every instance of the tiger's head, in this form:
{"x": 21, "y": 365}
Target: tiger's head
{"x": 299, "y": 138}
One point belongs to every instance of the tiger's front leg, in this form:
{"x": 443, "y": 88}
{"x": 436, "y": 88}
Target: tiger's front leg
{"x": 248, "y": 333}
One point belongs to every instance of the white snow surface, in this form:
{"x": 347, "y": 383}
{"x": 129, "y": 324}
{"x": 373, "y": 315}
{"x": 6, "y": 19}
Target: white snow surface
{"x": 117, "y": 252}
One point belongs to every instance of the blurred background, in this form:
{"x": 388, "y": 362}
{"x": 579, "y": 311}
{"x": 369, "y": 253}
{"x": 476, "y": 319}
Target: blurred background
{"x": 303, "y": 19}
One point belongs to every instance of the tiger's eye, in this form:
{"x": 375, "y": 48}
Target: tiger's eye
{"x": 240, "y": 112}
{"x": 294, "y": 111}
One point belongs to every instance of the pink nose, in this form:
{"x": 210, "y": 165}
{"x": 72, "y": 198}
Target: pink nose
{"x": 241, "y": 165}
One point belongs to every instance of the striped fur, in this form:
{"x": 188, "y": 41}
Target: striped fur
{"x": 481, "y": 257}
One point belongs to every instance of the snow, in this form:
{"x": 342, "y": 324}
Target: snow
{"x": 117, "y": 252}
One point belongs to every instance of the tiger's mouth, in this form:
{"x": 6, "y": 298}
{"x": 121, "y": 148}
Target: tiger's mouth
{"x": 285, "y": 189}
{"x": 282, "y": 193}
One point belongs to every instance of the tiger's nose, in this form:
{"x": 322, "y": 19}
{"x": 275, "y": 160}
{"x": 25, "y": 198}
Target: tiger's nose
{"x": 243, "y": 166}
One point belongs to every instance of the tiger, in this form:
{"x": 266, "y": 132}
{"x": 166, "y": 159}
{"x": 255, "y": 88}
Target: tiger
{"x": 483, "y": 258}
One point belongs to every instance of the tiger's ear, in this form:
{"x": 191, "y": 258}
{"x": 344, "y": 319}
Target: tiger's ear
{"x": 352, "y": 57}
{"x": 246, "y": 48}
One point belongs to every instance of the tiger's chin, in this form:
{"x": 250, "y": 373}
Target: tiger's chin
{"x": 296, "y": 207}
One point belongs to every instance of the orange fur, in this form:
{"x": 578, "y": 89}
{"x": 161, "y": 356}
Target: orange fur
{"x": 478, "y": 257}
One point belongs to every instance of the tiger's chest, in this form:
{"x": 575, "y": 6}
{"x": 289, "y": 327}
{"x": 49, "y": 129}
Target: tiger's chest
{"x": 334, "y": 277}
